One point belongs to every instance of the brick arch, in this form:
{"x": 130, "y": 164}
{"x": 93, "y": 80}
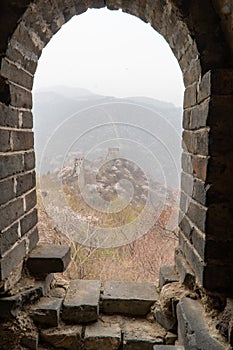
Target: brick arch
{"x": 205, "y": 206}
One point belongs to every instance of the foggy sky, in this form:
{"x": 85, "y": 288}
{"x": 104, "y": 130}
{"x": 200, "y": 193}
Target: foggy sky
{"x": 111, "y": 53}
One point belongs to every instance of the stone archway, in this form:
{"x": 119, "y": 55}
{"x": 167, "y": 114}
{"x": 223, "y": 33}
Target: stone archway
{"x": 205, "y": 237}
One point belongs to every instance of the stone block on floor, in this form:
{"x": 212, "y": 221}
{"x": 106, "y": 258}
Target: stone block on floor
{"x": 193, "y": 331}
{"x": 139, "y": 334}
{"x": 167, "y": 274}
{"x": 168, "y": 321}
{"x": 64, "y": 337}
{"x": 47, "y": 311}
{"x": 128, "y": 298}
{"x": 48, "y": 258}
{"x": 102, "y": 335}
{"x": 81, "y": 304}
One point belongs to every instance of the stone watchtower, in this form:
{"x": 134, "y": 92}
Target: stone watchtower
{"x": 113, "y": 153}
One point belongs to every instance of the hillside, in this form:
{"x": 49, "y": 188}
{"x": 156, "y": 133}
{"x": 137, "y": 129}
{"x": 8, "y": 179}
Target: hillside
{"x": 74, "y": 122}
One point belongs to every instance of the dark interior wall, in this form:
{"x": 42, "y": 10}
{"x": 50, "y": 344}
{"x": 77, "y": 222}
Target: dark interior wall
{"x": 195, "y": 33}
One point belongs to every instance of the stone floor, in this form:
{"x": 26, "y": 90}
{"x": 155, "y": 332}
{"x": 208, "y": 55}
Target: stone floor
{"x": 100, "y": 316}
{"x": 41, "y": 314}
{"x": 80, "y": 314}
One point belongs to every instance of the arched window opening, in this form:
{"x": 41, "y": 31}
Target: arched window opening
{"x": 107, "y": 105}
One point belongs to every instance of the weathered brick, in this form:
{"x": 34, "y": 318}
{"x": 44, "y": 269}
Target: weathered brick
{"x": 67, "y": 337}
{"x": 187, "y": 183}
{"x": 5, "y": 140}
{"x": 193, "y": 235}
{"x": 197, "y": 116}
{"x": 33, "y": 19}
{"x": 30, "y": 200}
{"x": 27, "y": 119}
{"x": 28, "y": 221}
{"x": 167, "y": 274}
{"x": 15, "y": 74}
{"x": 33, "y": 239}
{"x": 11, "y": 212}
{"x": 186, "y": 274}
{"x": 47, "y": 311}
{"x": 184, "y": 202}
{"x": 185, "y": 225}
{"x": 8, "y": 238}
{"x": 190, "y": 315}
{"x": 24, "y": 183}
{"x": 190, "y": 96}
{"x": 17, "y": 53}
{"x": 198, "y": 240}
{"x": 8, "y": 116}
{"x": 11, "y": 164}
{"x": 6, "y": 190}
{"x": 28, "y": 38}
{"x": 193, "y": 73}
{"x": 20, "y": 97}
{"x": 22, "y": 140}
{"x": 187, "y": 163}
{"x": 195, "y": 261}
{"x": 141, "y": 334}
{"x": 102, "y": 336}
{"x": 12, "y": 259}
{"x": 167, "y": 321}
{"x": 189, "y": 60}
{"x": 81, "y": 304}
{"x": 68, "y": 8}
{"x": 196, "y": 142}
{"x": 204, "y": 87}
{"x": 197, "y": 214}
{"x": 128, "y": 298}
{"x": 48, "y": 258}
{"x": 199, "y": 166}
{"x": 200, "y": 190}
{"x": 29, "y": 160}
{"x": 52, "y": 15}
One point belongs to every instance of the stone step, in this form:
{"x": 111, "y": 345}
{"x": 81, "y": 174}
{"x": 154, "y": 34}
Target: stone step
{"x": 140, "y": 334}
{"x": 108, "y": 333}
{"x": 128, "y": 298}
{"x": 63, "y": 337}
{"x": 81, "y": 303}
{"x": 102, "y": 335}
{"x": 48, "y": 258}
{"x": 47, "y": 311}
